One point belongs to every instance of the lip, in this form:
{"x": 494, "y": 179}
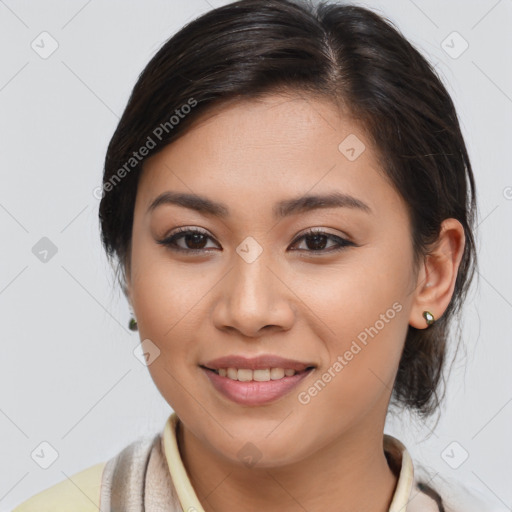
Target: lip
{"x": 256, "y": 363}
{"x": 254, "y": 393}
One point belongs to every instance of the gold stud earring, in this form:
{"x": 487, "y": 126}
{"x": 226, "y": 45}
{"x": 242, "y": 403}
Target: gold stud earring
{"x": 429, "y": 317}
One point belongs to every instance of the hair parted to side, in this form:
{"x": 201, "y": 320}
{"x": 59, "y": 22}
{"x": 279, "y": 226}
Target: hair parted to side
{"x": 342, "y": 53}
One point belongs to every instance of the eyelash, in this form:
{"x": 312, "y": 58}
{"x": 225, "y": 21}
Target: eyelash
{"x": 170, "y": 241}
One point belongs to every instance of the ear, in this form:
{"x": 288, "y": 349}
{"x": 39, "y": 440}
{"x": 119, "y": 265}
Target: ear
{"x": 438, "y": 273}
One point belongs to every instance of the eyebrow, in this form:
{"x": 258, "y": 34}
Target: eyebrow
{"x": 281, "y": 209}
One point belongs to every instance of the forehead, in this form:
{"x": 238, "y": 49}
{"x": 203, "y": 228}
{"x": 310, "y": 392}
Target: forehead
{"x": 275, "y": 146}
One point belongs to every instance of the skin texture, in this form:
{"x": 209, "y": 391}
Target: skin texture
{"x": 301, "y": 304}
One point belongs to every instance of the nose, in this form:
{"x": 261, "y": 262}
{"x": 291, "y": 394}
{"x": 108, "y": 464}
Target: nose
{"x": 253, "y": 299}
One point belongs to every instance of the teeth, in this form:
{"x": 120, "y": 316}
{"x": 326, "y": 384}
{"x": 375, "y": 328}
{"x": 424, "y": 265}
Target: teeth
{"x": 277, "y": 373}
{"x": 246, "y": 375}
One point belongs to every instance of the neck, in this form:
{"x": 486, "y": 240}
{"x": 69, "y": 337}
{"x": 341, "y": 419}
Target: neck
{"x": 348, "y": 474}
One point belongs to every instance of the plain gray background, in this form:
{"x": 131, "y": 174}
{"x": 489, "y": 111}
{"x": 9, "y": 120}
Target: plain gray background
{"x": 68, "y": 375}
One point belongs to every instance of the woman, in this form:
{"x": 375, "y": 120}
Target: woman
{"x": 291, "y": 205}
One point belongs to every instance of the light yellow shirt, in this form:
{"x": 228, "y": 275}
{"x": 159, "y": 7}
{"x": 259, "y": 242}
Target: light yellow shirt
{"x": 81, "y": 492}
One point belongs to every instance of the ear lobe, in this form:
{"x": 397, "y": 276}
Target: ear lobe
{"x": 436, "y": 280}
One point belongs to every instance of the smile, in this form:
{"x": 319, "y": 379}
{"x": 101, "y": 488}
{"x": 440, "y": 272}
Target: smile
{"x": 254, "y": 387}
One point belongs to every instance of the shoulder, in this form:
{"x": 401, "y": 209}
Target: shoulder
{"x": 80, "y": 493}
{"x": 85, "y": 490}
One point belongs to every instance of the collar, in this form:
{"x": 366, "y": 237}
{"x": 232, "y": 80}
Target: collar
{"x": 396, "y": 451}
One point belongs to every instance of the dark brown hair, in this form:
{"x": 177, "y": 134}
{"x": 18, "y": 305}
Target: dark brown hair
{"x": 362, "y": 64}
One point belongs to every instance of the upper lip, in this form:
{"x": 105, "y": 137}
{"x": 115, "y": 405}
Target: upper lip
{"x": 256, "y": 363}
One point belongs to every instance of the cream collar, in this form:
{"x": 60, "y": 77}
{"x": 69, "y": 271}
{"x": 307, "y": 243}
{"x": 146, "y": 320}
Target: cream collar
{"x": 190, "y": 502}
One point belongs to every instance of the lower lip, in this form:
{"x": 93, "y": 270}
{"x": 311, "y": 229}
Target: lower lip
{"x": 254, "y": 392}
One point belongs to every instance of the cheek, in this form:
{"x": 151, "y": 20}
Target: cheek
{"x": 167, "y": 302}
{"x": 166, "y": 293}
{"x": 365, "y": 307}
{"x": 167, "y": 299}
{"x": 363, "y": 357}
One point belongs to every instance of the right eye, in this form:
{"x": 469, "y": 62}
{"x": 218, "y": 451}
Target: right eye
{"x": 193, "y": 239}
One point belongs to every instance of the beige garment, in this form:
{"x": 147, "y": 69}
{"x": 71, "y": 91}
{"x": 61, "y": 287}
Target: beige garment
{"x": 138, "y": 479}
{"x": 149, "y": 475}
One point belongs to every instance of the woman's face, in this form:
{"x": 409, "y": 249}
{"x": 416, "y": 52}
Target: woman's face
{"x": 256, "y": 285}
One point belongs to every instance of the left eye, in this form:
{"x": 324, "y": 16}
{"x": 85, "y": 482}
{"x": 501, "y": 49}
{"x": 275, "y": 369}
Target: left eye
{"x": 195, "y": 241}
{"x": 318, "y": 240}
